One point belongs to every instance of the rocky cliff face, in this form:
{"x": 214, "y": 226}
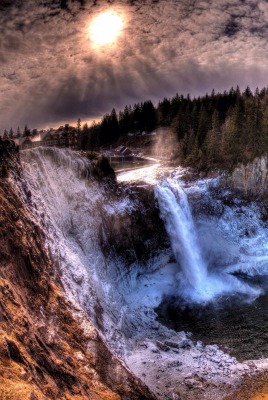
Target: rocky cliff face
{"x": 251, "y": 179}
{"x": 48, "y": 347}
{"x": 137, "y": 235}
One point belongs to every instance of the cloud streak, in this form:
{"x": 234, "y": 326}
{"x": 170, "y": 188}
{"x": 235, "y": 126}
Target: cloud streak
{"x": 49, "y": 72}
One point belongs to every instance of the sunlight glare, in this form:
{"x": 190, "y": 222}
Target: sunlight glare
{"x": 105, "y": 28}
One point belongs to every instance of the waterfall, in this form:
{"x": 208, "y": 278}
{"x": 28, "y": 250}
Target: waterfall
{"x": 195, "y": 282}
{"x": 176, "y": 213}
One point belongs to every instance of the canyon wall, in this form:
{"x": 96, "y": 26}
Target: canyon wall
{"x": 138, "y": 235}
{"x": 49, "y": 349}
{"x": 250, "y": 179}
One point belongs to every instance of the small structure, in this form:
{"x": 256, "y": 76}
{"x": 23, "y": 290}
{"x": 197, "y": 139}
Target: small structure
{"x": 123, "y": 151}
{"x": 50, "y": 138}
{"x": 36, "y": 140}
{"x": 23, "y": 142}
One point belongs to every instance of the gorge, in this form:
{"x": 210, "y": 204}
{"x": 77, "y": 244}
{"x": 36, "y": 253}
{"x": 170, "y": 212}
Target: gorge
{"x": 107, "y": 283}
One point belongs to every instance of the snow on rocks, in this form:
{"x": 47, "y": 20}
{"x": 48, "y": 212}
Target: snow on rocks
{"x": 179, "y": 341}
{"x": 191, "y": 368}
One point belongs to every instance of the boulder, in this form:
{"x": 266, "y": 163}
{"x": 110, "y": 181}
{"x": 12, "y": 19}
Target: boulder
{"x": 179, "y": 341}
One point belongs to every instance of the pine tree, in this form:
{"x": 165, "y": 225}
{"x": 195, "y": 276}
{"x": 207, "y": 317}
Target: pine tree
{"x": 114, "y": 126}
{"x": 233, "y": 134}
{"x": 213, "y": 141}
{"x": 125, "y": 121}
{"x": 78, "y": 126}
{"x": 148, "y": 116}
{"x": 163, "y": 113}
{"x": 26, "y": 131}
{"x": 83, "y": 137}
{"x": 204, "y": 124}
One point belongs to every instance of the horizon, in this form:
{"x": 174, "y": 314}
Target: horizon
{"x": 98, "y": 119}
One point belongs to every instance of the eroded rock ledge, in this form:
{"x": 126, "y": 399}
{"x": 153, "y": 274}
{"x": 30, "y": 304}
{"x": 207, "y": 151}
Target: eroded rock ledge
{"x": 138, "y": 235}
{"x": 48, "y": 348}
{"x": 251, "y": 180}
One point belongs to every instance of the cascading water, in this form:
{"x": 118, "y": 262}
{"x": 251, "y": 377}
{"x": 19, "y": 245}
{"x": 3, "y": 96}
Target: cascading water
{"x": 195, "y": 282}
{"x": 175, "y": 211}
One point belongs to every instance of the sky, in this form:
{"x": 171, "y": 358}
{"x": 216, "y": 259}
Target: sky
{"x": 52, "y": 73}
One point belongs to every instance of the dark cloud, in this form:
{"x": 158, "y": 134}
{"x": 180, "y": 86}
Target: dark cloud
{"x": 231, "y": 28}
{"x": 50, "y": 72}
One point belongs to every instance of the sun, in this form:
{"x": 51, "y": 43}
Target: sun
{"x": 105, "y": 28}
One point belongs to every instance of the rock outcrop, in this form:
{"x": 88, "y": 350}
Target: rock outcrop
{"x": 251, "y": 180}
{"x": 48, "y": 347}
{"x": 136, "y": 235}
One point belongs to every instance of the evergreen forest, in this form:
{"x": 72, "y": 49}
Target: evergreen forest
{"x": 216, "y": 130}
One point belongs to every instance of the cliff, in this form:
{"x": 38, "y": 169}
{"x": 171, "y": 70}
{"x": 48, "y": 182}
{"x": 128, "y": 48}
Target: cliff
{"x": 48, "y": 347}
{"x": 250, "y": 179}
{"x": 137, "y": 235}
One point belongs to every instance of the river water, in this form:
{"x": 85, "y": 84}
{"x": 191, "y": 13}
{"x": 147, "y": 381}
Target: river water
{"x": 239, "y": 327}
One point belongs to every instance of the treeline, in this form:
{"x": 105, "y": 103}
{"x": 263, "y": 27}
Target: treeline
{"x": 11, "y": 134}
{"x": 142, "y": 117}
{"x": 216, "y": 130}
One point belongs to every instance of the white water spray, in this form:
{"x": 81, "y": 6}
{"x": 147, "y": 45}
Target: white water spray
{"x": 196, "y": 283}
{"x": 175, "y": 211}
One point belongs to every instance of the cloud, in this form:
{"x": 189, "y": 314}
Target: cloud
{"x": 50, "y": 72}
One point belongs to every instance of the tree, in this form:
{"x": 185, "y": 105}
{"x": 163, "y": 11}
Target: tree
{"x": 212, "y": 146}
{"x": 247, "y": 93}
{"x": 11, "y": 133}
{"x": 163, "y": 113}
{"x": 137, "y": 118}
{"x": 94, "y": 136}
{"x": 233, "y": 134}
{"x": 125, "y": 120}
{"x": 148, "y": 112}
{"x": 109, "y": 128}
{"x": 204, "y": 124}
{"x": 78, "y": 127}
{"x": 83, "y": 135}
{"x": 114, "y": 126}
{"x": 26, "y": 132}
